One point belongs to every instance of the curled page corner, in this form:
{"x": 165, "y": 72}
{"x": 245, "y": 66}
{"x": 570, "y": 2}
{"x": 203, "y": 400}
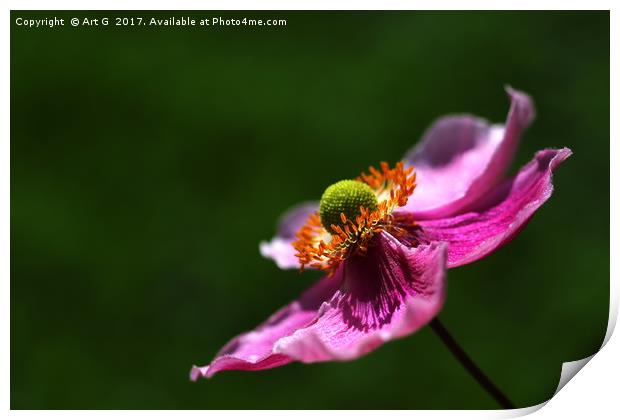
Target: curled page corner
{"x": 570, "y": 369}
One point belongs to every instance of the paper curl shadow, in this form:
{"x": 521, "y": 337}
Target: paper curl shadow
{"x": 570, "y": 369}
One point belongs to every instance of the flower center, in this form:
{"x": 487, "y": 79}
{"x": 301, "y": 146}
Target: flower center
{"x": 345, "y": 197}
{"x": 351, "y": 213}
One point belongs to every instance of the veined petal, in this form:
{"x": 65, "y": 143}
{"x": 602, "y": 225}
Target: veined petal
{"x": 392, "y": 291}
{"x": 498, "y": 218}
{"x": 253, "y": 350}
{"x": 461, "y": 158}
{"x": 279, "y": 248}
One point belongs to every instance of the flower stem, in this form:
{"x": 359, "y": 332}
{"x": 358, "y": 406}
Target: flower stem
{"x": 473, "y": 369}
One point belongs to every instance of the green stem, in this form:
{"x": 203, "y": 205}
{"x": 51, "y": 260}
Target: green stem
{"x": 471, "y": 367}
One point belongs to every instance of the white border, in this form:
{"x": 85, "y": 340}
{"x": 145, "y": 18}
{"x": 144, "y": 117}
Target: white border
{"x": 594, "y": 393}
{"x": 310, "y": 5}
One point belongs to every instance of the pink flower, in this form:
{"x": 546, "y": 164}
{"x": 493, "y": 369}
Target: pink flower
{"x": 387, "y": 253}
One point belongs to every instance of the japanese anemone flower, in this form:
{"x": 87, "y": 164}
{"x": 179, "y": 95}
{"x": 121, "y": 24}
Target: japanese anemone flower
{"x": 386, "y": 238}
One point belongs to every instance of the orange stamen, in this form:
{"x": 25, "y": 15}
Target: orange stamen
{"x": 318, "y": 249}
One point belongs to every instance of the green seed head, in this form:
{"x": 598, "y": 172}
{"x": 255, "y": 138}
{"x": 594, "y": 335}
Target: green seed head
{"x": 345, "y": 197}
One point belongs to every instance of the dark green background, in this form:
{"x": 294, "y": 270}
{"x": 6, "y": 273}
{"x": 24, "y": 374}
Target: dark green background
{"x": 148, "y": 163}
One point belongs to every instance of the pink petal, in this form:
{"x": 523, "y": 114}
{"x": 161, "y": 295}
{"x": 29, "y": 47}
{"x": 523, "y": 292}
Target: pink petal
{"x": 254, "y": 350}
{"x": 500, "y": 216}
{"x": 460, "y": 158}
{"x": 279, "y": 248}
{"x": 391, "y": 292}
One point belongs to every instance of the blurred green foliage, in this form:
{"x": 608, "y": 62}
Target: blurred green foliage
{"x": 147, "y": 164}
